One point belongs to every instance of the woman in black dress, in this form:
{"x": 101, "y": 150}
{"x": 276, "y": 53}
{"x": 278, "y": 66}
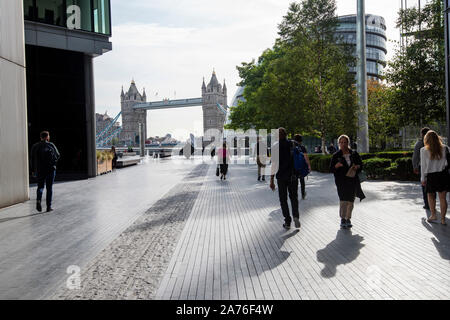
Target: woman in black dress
{"x": 346, "y": 164}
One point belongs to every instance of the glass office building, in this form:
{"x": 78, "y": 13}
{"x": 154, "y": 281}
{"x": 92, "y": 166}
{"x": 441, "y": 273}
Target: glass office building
{"x": 376, "y": 39}
{"x": 94, "y": 14}
{"x": 62, "y": 37}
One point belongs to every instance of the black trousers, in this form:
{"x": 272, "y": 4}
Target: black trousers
{"x": 424, "y": 192}
{"x": 291, "y": 187}
{"x": 302, "y": 184}
{"x": 47, "y": 179}
{"x": 224, "y": 168}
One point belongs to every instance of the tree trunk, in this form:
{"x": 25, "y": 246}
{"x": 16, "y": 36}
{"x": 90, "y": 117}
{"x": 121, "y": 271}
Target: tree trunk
{"x": 323, "y": 145}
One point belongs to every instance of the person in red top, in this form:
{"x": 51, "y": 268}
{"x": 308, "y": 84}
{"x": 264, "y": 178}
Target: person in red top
{"x": 223, "y": 158}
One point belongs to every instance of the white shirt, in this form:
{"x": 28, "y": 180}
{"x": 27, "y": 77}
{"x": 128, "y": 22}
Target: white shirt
{"x": 347, "y": 158}
{"x": 430, "y": 166}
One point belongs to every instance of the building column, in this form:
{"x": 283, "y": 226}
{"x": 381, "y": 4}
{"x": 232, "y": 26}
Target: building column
{"x": 91, "y": 156}
{"x": 447, "y": 63}
{"x": 14, "y": 184}
{"x": 363, "y": 113}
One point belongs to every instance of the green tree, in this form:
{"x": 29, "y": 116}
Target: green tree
{"x": 383, "y": 121}
{"x": 247, "y": 114}
{"x": 114, "y": 141}
{"x": 302, "y": 83}
{"x": 417, "y": 71}
{"x": 310, "y": 27}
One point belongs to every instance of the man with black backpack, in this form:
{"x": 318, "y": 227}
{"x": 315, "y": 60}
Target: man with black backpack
{"x": 303, "y": 165}
{"x": 44, "y": 156}
{"x": 283, "y": 167}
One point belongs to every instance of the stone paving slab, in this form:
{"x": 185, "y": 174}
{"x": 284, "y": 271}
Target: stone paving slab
{"x": 132, "y": 266}
{"x": 211, "y": 239}
{"x": 36, "y": 249}
{"x": 233, "y": 245}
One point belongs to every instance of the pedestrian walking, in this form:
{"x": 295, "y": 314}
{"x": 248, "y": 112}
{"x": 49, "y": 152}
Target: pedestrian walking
{"x": 283, "y": 168}
{"x": 223, "y": 158}
{"x": 298, "y": 140}
{"x": 261, "y": 158}
{"x": 346, "y": 164}
{"x": 435, "y": 177}
{"x": 331, "y": 149}
{"x": 114, "y": 159}
{"x": 44, "y": 156}
{"x": 416, "y": 164}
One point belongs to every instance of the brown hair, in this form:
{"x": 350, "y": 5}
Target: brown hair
{"x": 44, "y": 134}
{"x": 298, "y": 138}
{"x": 433, "y": 143}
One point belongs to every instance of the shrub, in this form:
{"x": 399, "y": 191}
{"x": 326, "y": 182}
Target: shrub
{"x": 374, "y": 167}
{"x": 104, "y": 155}
{"x": 394, "y": 155}
{"x": 392, "y": 165}
{"x": 405, "y": 165}
{"x": 320, "y": 162}
{"x": 365, "y": 156}
{"x": 403, "y": 169}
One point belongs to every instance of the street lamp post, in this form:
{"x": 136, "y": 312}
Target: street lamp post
{"x": 141, "y": 140}
{"x": 447, "y": 54}
{"x": 363, "y": 126}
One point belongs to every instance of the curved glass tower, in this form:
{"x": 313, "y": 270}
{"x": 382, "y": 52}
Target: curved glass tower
{"x": 376, "y": 39}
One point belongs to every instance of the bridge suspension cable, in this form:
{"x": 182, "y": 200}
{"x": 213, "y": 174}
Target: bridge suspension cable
{"x": 102, "y": 133}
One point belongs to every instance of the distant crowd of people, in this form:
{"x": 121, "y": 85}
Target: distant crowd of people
{"x": 431, "y": 160}
{"x": 289, "y": 165}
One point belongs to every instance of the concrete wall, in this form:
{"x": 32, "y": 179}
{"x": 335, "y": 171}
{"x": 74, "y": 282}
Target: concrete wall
{"x": 14, "y": 186}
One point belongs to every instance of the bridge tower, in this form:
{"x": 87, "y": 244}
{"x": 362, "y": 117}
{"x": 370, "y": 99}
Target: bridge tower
{"x": 212, "y": 95}
{"x": 132, "y": 117}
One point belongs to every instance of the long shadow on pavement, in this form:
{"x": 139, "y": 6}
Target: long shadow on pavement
{"x": 344, "y": 249}
{"x": 21, "y": 217}
{"x": 441, "y": 238}
{"x": 278, "y": 255}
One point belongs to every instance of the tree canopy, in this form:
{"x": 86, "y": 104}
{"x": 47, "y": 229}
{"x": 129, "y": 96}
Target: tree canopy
{"x": 302, "y": 83}
{"x": 417, "y": 72}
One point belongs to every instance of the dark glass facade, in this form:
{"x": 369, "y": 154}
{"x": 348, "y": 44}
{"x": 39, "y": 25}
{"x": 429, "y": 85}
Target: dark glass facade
{"x": 56, "y": 101}
{"x": 376, "y": 39}
{"x": 95, "y": 15}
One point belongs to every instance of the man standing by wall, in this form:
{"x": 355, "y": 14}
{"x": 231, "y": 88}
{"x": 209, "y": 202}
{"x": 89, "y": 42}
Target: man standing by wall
{"x": 283, "y": 167}
{"x": 44, "y": 156}
{"x": 416, "y": 163}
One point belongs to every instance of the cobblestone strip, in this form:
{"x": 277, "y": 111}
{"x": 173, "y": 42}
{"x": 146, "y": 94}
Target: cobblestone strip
{"x": 132, "y": 266}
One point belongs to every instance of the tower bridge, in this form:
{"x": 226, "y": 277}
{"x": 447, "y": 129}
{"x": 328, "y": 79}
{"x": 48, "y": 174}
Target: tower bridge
{"x": 134, "y": 108}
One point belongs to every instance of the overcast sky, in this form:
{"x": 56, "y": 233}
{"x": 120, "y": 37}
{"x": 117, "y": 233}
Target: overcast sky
{"x": 168, "y": 46}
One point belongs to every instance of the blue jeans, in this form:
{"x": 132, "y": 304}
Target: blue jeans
{"x": 47, "y": 179}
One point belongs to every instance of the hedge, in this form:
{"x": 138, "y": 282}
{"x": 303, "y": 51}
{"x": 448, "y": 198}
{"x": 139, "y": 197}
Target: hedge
{"x": 375, "y": 167}
{"x": 396, "y": 165}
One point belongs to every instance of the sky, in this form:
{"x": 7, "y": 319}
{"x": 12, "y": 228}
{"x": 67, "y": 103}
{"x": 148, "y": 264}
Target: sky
{"x": 168, "y": 46}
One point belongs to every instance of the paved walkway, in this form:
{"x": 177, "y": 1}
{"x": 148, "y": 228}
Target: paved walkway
{"x": 202, "y": 238}
{"x": 37, "y": 249}
{"x": 233, "y": 246}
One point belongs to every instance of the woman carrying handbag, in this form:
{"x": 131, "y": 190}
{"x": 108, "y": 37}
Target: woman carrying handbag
{"x": 346, "y": 165}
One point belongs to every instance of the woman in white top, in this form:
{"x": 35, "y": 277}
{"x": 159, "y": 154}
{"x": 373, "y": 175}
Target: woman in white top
{"x": 435, "y": 176}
